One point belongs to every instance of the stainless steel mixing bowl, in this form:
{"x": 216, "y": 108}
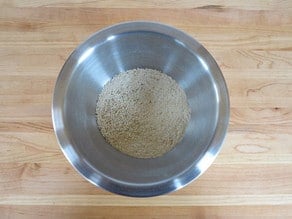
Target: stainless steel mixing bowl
{"x": 139, "y": 45}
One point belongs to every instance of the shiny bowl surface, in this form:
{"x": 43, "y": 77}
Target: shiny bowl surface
{"x": 139, "y": 45}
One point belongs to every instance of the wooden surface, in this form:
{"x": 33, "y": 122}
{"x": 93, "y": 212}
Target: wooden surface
{"x": 252, "y": 43}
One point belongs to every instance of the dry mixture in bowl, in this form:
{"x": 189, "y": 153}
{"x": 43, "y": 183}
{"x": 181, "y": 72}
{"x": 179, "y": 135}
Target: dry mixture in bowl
{"x": 142, "y": 113}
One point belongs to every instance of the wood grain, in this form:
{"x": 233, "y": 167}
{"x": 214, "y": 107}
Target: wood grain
{"x": 221, "y": 179}
{"x": 109, "y": 200}
{"x": 101, "y": 212}
{"x": 250, "y": 40}
{"x": 217, "y": 4}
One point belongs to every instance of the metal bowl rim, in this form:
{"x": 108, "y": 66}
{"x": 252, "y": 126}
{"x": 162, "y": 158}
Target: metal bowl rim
{"x": 135, "y": 190}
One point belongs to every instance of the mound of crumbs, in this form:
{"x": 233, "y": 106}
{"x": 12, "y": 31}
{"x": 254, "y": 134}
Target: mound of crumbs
{"x": 142, "y": 113}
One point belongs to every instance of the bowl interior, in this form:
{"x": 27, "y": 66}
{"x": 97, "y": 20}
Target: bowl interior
{"x": 93, "y": 64}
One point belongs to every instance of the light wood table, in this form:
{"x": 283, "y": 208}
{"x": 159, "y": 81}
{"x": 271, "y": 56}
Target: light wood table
{"x": 252, "y": 43}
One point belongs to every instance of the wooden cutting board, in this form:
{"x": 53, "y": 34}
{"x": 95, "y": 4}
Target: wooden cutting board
{"x": 252, "y": 43}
